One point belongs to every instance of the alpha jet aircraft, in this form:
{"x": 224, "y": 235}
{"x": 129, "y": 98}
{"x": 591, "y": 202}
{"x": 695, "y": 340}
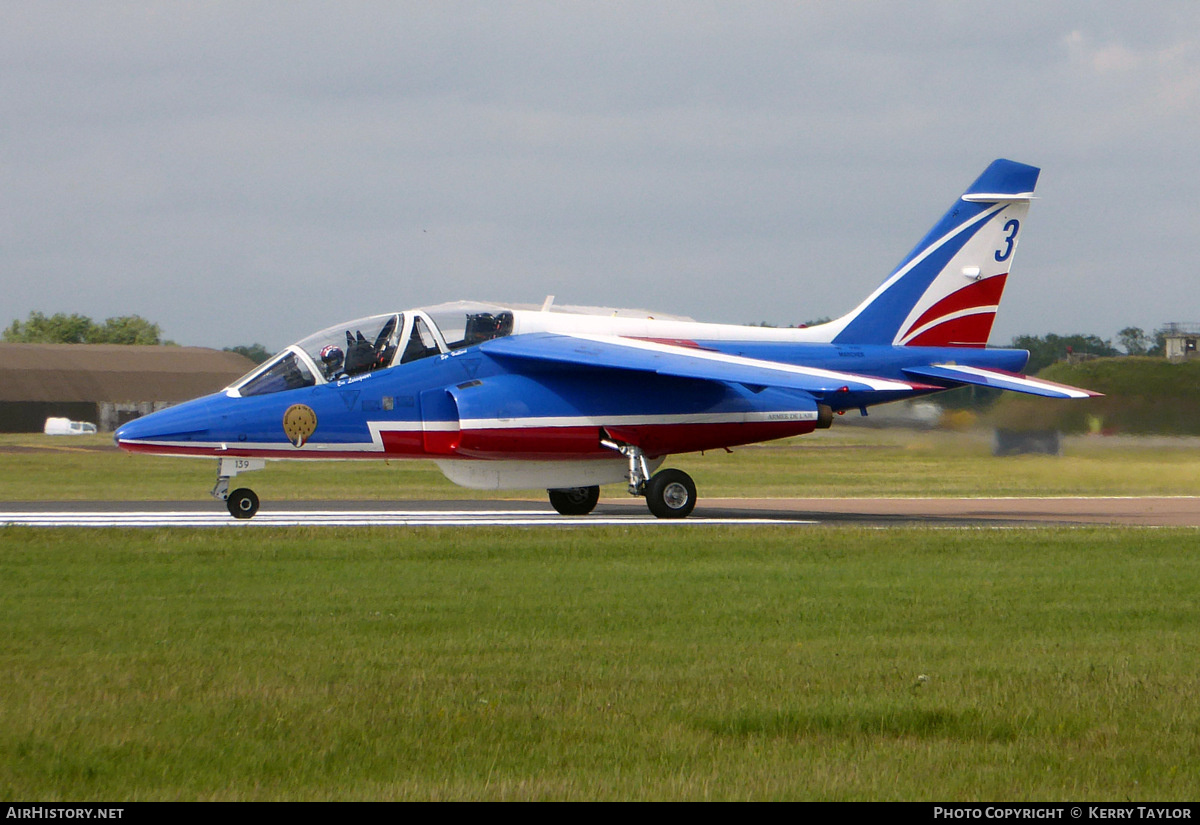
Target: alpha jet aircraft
{"x": 567, "y": 399}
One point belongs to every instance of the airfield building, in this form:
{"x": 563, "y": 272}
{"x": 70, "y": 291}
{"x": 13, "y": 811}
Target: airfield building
{"x": 106, "y": 384}
{"x": 1181, "y": 340}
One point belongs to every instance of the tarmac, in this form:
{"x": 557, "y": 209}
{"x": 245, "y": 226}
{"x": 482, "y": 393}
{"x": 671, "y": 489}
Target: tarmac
{"x": 1140, "y": 511}
{"x": 1132, "y": 511}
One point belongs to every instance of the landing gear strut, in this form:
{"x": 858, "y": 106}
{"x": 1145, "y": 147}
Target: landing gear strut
{"x": 242, "y": 502}
{"x": 668, "y": 493}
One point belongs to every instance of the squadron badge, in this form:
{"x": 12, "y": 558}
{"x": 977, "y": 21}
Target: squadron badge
{"x": 299, "y": 423}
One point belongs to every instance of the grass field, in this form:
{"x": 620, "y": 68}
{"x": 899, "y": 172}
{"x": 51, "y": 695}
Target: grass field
{"x": 692, "y": 663}
{"x": 683, "y": 662}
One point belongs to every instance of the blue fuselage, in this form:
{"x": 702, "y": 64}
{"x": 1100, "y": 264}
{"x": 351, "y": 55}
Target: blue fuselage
{"x": 470, "y": 404}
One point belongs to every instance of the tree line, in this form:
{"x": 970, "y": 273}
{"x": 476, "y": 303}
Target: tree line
{"x": 61, "y": 328}
{"x": 1045, "y": 350}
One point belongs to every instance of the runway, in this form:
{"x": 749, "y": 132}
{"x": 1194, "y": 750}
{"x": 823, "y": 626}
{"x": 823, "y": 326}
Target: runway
{"x": 217, "y": 517}
{"x": 1160, "y": 511}
{"x": 1141, "y": 511}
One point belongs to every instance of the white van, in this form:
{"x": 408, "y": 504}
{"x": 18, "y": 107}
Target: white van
{"x": 65, "y": 426}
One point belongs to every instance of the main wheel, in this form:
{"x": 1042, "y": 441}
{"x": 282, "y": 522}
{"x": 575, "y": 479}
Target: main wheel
{"x": 671, "y": 494}
{"x": 574, "y": 501}
{"x": 242, "y": 503}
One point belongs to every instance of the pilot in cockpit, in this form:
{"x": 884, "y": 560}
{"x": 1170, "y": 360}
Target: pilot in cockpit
{"x": 332, "y": 360}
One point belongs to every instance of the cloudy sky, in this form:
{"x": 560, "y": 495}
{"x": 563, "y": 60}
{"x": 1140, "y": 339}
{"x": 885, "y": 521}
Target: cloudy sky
{"x": 252, "y": 171}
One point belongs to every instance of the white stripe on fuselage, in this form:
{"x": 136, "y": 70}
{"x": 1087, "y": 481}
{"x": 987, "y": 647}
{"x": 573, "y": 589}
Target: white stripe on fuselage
{"x": 878, "y": 384}
{"x": 638, "y": 420}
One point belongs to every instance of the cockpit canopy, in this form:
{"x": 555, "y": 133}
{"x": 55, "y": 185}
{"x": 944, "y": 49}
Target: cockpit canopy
{"x": 375, "y": 343}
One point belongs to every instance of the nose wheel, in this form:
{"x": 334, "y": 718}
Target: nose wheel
{"x": 242, "y": 503}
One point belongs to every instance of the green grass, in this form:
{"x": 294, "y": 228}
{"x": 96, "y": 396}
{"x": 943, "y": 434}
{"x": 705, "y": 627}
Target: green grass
{"x": 681, "y": 663}
{"x": 844, "y": 461}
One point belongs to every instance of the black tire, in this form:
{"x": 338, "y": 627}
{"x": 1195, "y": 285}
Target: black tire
{"x": 671, "y": 494}
{"x": 242, "y": 503}
{"x": 574, "y": 501}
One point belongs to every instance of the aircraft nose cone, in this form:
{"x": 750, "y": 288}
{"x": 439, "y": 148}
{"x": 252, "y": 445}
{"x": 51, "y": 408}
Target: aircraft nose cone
{"x": 149, "y": 426}
{"x": 126, "y": 432}
{"x": 175, "y": 426}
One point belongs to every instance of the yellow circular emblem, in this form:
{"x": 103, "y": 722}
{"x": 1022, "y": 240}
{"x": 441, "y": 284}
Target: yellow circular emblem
{"x": 299, "y": 423}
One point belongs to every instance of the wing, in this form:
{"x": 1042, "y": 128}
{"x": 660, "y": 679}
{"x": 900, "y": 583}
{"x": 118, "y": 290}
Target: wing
{"x": 998, "y": 379}
{"x": 687, "y": 362}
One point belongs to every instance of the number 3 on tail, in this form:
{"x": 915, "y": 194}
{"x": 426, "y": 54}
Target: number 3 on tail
{"x": 1011, "y": 227}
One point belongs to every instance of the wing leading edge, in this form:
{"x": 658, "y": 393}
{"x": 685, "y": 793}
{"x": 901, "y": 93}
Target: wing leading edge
{"x": 682, "y": 362}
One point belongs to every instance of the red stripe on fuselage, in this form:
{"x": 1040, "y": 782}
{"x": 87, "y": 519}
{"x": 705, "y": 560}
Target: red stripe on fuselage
{"x": 655, "y": 439}
{"x": 529, "y": 443}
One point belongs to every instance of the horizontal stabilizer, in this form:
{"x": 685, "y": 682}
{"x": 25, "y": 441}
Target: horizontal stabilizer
{"x": 997, "y": 379}
{"x": 613, "y": 352}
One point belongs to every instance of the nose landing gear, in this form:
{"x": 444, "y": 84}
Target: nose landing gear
{"x": 242, "y": 502}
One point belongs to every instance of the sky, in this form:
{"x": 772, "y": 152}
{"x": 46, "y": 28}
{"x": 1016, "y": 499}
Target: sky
{"x": 250, "y": 172}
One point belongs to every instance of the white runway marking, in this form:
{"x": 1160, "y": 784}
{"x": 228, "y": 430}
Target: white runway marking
{"x": 333, "y": 518}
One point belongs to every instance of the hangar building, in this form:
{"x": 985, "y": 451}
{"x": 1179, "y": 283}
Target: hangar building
{"x": 106, "y": 384}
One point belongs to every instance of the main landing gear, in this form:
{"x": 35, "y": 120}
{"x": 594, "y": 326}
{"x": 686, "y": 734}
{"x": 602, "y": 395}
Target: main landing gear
{"x": 242, "y": 502}
{"x": 574, "y": 501}
{"x": 668, "y": 493}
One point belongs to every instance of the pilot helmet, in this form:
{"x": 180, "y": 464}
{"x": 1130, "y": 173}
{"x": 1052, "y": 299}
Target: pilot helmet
{"x": 332, "y": 358}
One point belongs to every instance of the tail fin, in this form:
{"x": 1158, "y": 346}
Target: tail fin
{"x": 946, "y": 292}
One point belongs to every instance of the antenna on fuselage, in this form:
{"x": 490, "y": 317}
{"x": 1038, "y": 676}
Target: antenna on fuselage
{"x": 546, "y": 304}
